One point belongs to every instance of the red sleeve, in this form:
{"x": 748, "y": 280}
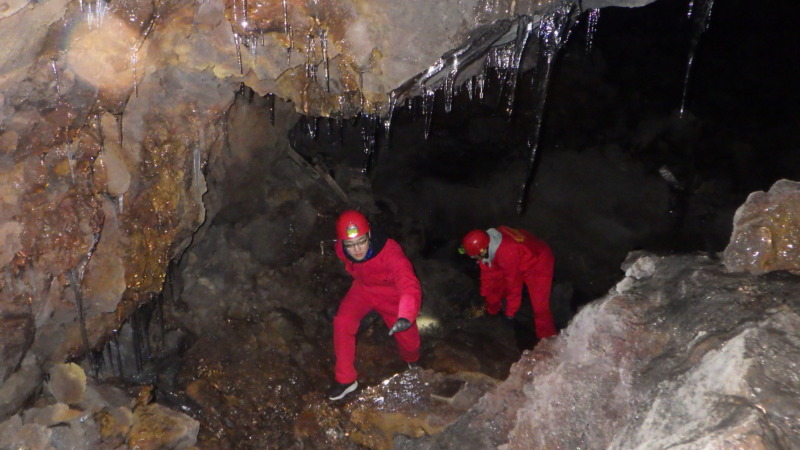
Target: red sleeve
{"x": 405, "y": 280}
{"x": 492, "y": 282}
{"x": 508, "y": 260}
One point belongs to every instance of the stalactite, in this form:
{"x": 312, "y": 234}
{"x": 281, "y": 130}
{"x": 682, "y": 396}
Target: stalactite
{"x": 524, "y": 30}
{"x": 699, "y": 26}
{"x": 75, "y": 282}
{"x": 427, "y": 110}
{"x": 554, "y": 31}
{"x": 324, "y": 44}
{"x": 592, "y": 19}
{"x": 115, "y": 339}
{"x": 55, "y": 77}
{"x": 271, "y": 106}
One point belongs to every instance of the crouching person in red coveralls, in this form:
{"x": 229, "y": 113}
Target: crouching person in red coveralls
{"x": 507, "y": 258}
{"x": 383, "y": 281}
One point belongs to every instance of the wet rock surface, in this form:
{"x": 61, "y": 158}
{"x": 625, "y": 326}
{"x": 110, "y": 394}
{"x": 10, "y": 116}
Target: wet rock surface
{"x": 686, "y": 354}
{"x": 81, "y": 414}
{"x": 766, "y": 231}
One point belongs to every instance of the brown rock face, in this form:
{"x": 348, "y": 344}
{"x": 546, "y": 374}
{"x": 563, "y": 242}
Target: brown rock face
{"x": 766, "y": 231}
{"x": 111, "y": 112}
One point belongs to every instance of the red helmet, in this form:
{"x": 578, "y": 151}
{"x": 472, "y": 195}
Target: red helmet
{"x": 351, "y": 224}
{"x": 475, "y": 242}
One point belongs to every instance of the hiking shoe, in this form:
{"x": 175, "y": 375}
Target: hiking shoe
{"x": 339, "y": 390}
{"x": 414, "y": 365}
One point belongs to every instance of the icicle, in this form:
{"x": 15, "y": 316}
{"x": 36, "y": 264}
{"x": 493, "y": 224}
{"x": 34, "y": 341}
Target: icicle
{"x": 137, "y": 342}
{"x": 196, "y": 170}
{"x": 147, "y": 32}
{"x": 96, "y": 360}
{"x": 592, "y": 18}
{"x": 448, "y": 87}
{"x": 108, "y": 352}
{"x": 55, "y": 75}
{"x": 324, "y": 44}
{"x": 369, "y": 129}
{"x": 554, "y": 31}
{"x": 71, "y": 161}
{"x": 75, "y": 276}
{"x": 387, "y": 123}
{"x": 480, "y": 83}
{"x": 253, "y": 46}
{"x": 312, "y": 125}
{"x": 75, "y": 281}
{"x": 135, "y": 82}
{"x": 115, "y": 338}
{"x": 470, "y": 88}
{"x": 118, "y": 119}
{"x": 236, "y": 39}
{"x": 271, "y": 106}
{"x": 700, "y": 25}
{"x": 691, "y": 9}
{"x": 428, "y": 98}
{"x": 285, "y": 18}
{"x": 524, "y": 30}
{"x": 287, "y": 29}
{"x": 120, "y": 203}
{"x": 101, "y": 7}
{"x": 361, "y": 100}
{"x": 311, "y": 67}
{"x": 235, "y": 14}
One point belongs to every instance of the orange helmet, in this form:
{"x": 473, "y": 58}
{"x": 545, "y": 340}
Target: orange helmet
{"x": 351, "y": 224}
{"x": 475, "y": 242}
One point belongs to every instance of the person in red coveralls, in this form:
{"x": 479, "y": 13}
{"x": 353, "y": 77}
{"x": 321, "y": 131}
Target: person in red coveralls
{"x": 507, "y": 258}
{"x": 383, "y": 281}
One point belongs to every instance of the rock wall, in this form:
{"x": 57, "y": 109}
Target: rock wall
{"x": 684, "y": 352}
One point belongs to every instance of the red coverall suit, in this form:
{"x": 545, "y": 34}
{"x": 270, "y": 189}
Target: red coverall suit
{"x": 387, "y": 284}
{"x": 520, "y": 258}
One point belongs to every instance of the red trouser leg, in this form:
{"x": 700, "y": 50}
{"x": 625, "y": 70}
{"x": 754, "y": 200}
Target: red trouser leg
{"x": 493, "y": 304}
{"x": 512, "y": 305}
{"x": 345, "y": 327}
{"x": 539, "y": 291}
{"x": 408, "y": 340}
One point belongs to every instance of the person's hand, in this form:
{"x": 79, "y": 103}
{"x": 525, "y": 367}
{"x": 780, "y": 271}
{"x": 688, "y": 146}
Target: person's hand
{"x": 401, "y": 325}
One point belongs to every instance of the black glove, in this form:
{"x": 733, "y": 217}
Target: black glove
{"x": 401, "y": 325}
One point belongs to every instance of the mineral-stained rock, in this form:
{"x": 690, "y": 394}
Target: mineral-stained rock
{"x": 18, "y": 388}
{"x": 16, "y": 335}
{"x": 51, "y": 415}
{"x": 156, "y": 427}
{"x": 114, "y": 423}
{"x": 67, "y": 383}
{"x": 766, "y": 231}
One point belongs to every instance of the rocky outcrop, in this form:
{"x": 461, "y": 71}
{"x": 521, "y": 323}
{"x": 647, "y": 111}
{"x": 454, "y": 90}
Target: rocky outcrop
{"x": 680, "y": 353}
{"x": 766, "y": 231}
{"x": 683, "y": 352}
{"x": 77, "y": 413}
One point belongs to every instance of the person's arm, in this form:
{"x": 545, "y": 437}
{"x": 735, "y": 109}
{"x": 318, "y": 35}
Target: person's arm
{"x": 492, "y": 284}
{"x": 406, "y": 282}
